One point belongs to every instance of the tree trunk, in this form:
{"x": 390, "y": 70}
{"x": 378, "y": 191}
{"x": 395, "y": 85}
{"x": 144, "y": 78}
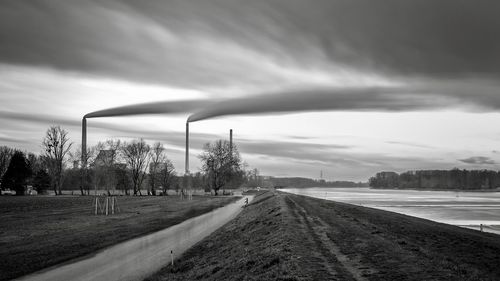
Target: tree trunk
{"x": 59, "y": 186}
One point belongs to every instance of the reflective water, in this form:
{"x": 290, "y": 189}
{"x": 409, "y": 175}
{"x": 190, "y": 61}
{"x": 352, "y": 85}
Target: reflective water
{"x": 138, "y": 258}
{"x": 467, "y": 209}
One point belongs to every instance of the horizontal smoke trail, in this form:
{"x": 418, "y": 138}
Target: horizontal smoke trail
{"x": 183, "y": 106}
{"x": 360, "y": 99}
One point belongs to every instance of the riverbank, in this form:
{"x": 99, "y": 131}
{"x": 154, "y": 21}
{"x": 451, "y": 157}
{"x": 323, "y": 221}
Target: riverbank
{"x": 440, "y": 189}
{"x": 39, "y": 232}
{"x": 289, "y": 237}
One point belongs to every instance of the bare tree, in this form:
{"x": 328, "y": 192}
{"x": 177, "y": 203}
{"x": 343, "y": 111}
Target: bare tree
{"x": 253, "y": 178}
{"x": 221, "y": 163}
{"x": 157, "y": 156}
{"x": 56, "y": 145}
{"x": 5, "y": 156}
{"x": 167, "y": 175}
{"x": 88, "y": 157}
{"x": 136, "y": 154}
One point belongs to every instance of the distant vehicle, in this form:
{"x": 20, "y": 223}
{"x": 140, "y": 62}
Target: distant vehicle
{"x": 8, "y": 192}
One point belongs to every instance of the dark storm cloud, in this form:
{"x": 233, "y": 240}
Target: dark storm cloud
{"x": 410, "y": 36}
{"x": 480, "y": 160}
{"x": 140, "y": 39}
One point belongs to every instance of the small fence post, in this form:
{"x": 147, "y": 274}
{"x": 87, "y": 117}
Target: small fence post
{"x": 172, "y": 256}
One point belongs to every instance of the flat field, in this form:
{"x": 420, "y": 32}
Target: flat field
{"x": 281, "y": 236}
{"x": 41, "y": 231}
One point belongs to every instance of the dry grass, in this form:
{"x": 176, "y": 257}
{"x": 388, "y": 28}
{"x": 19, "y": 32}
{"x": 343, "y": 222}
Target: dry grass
{"x": 38, "y": 232}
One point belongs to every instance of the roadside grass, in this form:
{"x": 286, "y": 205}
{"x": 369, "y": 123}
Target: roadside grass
{"x": 253, "y": 246}
{"x": 39, "y": 232}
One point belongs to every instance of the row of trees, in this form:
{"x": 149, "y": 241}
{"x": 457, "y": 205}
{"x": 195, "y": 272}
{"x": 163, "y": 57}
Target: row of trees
{"x": 116, "y": 165}
{"x": 17, "y": 169}
{"x": 438, "y": 179}
{"x": 300, "y": 182}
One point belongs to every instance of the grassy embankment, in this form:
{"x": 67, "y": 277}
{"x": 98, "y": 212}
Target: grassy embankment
{"x": 38, "y": 232}
{"x": 288, "y": 237}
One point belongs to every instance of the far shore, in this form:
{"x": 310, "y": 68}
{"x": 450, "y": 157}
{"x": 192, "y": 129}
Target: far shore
{"x": 395, "y": 188}
{"x": 441, "y": 189}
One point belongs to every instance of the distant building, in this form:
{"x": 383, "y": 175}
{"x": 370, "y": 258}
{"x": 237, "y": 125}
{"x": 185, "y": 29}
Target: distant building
{"x": 105, "y": 158}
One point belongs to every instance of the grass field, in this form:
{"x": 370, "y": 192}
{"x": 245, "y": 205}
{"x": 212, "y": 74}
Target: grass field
{"x": 41, "y": 231}
{"x": 282, "y": 236}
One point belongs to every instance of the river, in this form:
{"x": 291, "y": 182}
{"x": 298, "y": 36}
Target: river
{"x": 465, "y": 209}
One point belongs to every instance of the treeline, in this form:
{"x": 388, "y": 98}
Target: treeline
{"x": 129, "y": 167}
{"x": 300, "y": 182}
{"x": 438, "y": 179}
{"x": 18, "y": 169}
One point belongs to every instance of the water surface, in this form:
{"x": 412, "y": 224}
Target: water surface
{"x": 466, "y": 209}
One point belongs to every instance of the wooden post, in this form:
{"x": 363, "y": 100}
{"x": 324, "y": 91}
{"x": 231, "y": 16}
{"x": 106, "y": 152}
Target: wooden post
{"x": 96, "y": 205}
{"x": 112, "y": 205}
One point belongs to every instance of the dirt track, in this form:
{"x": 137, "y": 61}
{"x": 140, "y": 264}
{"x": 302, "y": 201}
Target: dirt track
{"x": 289, "y": 237}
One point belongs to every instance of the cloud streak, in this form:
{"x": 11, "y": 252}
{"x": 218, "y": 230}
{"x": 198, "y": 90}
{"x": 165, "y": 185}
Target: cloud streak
{"x": 38, "y": 118}
{"x": 163, "y": 107}
{"x": 479, "y": 160}
{"x": 333, "y": 99}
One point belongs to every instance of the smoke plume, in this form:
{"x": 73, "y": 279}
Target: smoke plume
{"x": 359, "y": 99}
{"x": 164, "y": 107}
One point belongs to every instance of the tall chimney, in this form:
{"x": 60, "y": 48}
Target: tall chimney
{"x": 231, "y": 142}
{"x": 84, "y": 142}
{"x": 187, "y": 148}
{"x": 84, "y": 153}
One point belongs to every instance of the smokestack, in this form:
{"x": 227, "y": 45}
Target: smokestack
{"x": 231, "y": 142}
{"x": 187, "y": 148}
{"x": 84, "y": 152}
{"x": 84, "y": 142}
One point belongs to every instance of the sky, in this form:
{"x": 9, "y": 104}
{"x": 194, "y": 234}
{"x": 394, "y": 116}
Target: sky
{"x": 349, "y": 88}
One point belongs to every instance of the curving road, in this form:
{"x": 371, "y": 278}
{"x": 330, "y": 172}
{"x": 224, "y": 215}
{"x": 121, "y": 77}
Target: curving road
{"x": 140, "y": 257}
